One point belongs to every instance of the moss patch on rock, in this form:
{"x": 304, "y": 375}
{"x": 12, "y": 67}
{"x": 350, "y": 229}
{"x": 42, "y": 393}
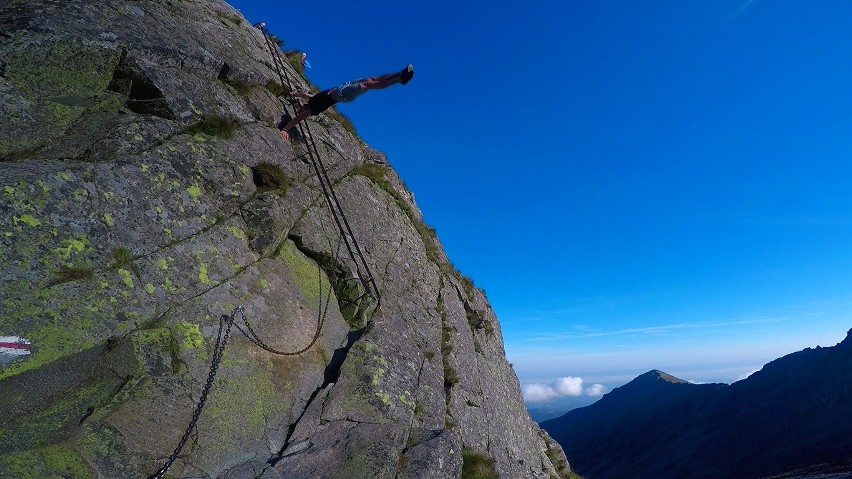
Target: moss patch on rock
{"x": 61, "y": 80}
{"x": 59, "y": 461}
{"x": 187, "y": 335}
{"x": 310, "y": 278}
{"x": 477, "y": 465}
{"x": 47, "y": 425}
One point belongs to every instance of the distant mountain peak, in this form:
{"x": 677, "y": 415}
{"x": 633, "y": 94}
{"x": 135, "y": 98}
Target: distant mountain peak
{"x": 656, "y": 374}
{"x": 794, "y": 413}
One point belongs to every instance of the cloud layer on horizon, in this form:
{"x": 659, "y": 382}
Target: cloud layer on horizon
{"x": 564, "y": 386}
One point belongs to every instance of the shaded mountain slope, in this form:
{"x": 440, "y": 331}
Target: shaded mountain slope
{"x": 795, "y": 412}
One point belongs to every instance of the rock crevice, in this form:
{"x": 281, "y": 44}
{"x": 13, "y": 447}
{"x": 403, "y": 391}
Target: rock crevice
{"x": 143, "y": 179}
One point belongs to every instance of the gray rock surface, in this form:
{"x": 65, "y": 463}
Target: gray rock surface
{"x": 126, "y": 231}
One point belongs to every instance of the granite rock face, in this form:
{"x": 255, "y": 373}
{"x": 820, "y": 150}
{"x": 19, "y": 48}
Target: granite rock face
{"x": 144, "y": 193}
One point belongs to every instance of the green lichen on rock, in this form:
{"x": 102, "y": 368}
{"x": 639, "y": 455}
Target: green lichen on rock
{"x": 241, "y": 408}
{"x": 305, "y": 272}
{"x": 364, "y": 399}
{"x": 236, "y": 231}
{"x": 187, "y": 335}
{"x": 202, "y": 274}
{"x": 105, "y": 448}
{"x": 126, "y": 278}
{"x": 46, "y": 425}
{"x": 58, "y": 461}
{"x": 71, "y": 247}
{"x": 405, "y": 398}
{"x": 52, "y": 84}
{"x": 74, "y": 387}
{"x": 66, "y": 68}
{"x": 53, "y": 341}
{"x": 194, "y": 192}
{"x": 27, "y": 219}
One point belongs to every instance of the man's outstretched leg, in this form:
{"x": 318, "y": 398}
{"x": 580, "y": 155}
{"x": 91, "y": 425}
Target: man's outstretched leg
{"x": 347, "y": 92}
{"x": 388, "y": 79}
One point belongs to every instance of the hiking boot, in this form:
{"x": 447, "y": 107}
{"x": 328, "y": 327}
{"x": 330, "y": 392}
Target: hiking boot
{"x": 406, "y": 74}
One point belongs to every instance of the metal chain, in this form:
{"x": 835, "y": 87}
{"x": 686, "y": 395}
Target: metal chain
{"x": 354, "y": 249}
{"x": 219, "y": 349}
{"x": 226, "y": 322}
{"x": 214, "y": 366}
{"x": 323, "y": 311}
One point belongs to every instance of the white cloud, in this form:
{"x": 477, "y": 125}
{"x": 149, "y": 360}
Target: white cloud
{"x": 565, "y": 386}
{"x": 538, "y": 392}
{"x": 595, "y": 390}
{"x": 569, "y": 386}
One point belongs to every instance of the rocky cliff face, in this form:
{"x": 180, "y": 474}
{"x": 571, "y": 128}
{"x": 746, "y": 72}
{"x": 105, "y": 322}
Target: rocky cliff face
{"x": 144, "y": 193}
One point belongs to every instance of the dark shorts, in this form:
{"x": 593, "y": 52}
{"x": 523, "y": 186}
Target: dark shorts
{"x": 320, "y": 102}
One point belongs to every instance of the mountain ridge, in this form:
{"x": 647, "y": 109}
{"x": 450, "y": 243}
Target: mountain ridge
{"x": 792, "y": 413}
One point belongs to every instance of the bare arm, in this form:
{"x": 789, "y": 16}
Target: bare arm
{"x": 295, "y": 121}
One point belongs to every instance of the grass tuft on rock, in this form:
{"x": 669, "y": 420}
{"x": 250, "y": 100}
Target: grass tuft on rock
{"x": 277, "y": 40}
{"x": 241, "y": 87}
{"x": 121, "y": 257}
{"x": 378, "y": 174}
{"x": 269, "y": 176}
{"x": 68, "y": 273}
{"x": 274, "y": 87}
{"x": 559, "y": 463}
{"x": 451, "y": 377}
{"x": 213, "y": 126}
{"x": 476, "y": 465}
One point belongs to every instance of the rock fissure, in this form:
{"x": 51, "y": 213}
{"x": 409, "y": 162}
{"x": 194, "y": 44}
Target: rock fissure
{"x": 403, "y": 460}
{"x": 330, "y": 376}
{"x": 194, "y": 235}
{"x": 335, "y": 271}
{"x": 348, "y": 291}
{"x": 138, "y": 94}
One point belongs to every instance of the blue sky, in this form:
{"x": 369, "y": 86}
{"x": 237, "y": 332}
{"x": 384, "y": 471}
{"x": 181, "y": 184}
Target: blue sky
{"x": 636, "y": 185}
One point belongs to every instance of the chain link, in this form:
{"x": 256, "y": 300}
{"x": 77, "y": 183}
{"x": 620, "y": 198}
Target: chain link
{"x": 226, "y": 322}
{"x": 254, "y": 338}
{"x": 221, "y": 341}
{"x": 354, "y": 249}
